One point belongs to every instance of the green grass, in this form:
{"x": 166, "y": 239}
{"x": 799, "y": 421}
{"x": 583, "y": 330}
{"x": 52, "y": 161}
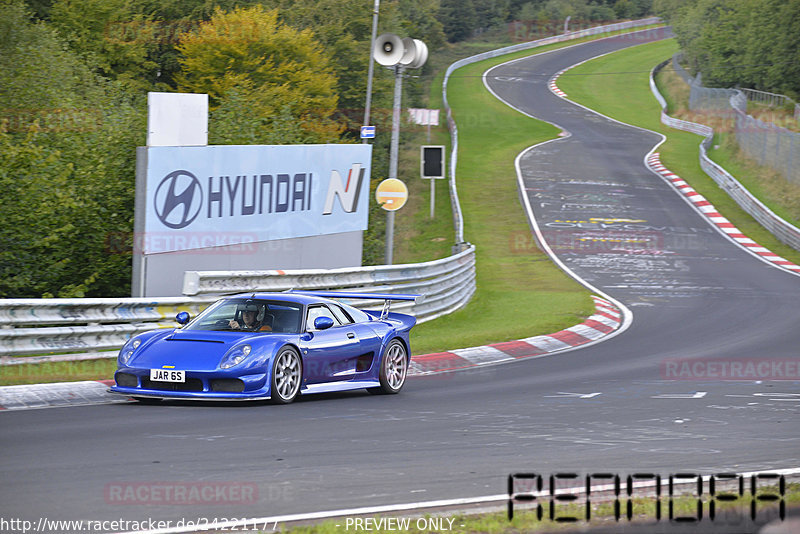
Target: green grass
{"x": 766, "y": 184}
{"x": 11, "y": 375}
{"x": 625, "y": 95}
{"x": 519, "y": 292}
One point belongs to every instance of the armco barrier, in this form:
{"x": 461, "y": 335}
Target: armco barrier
{"x": 445, "y": 285}
{"x": 80, "y": 329}
{"x": 451, "y": 123}
{"x": 63, "y": 328}
{"x": 781, "y": 229}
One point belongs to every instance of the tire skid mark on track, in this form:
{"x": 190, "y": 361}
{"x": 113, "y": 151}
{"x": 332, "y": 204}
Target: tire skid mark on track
{"x": 698, "y": 201}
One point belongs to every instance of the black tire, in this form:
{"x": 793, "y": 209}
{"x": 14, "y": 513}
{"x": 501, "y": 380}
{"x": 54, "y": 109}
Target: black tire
{"x": 394, "y": 369}
{"x": 287, "y": 376}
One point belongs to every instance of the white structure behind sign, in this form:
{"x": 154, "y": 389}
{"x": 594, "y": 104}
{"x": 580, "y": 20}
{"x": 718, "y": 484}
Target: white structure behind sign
{"x": 177, "y": 119}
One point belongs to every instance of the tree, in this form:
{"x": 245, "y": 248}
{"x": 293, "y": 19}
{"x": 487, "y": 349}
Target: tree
{"x": 771, "y": 50}
{"x": 491, "y": 12}
{"x": 459, "y": 19}
{"x": 275, "y": 67}
{"x": 67, "y": 149}
{"x": 751, "y": 43}
{"x": 109, "y": 36}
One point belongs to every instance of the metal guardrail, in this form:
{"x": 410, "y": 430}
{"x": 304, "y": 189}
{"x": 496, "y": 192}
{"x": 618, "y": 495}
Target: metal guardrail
{"x": 62, "y": 328}
{"x": 451, "y": 123}
{"x": 80, "y": 329}
{"x": 781, "y": 229}
{"x": 445, "y": 284}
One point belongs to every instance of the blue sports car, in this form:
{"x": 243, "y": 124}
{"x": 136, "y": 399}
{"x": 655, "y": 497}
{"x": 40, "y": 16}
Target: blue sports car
{"x": 270, "y": 346}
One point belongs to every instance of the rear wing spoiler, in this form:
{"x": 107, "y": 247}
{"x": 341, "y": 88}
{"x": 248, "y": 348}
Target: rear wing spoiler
{"x": 387, "y": 298}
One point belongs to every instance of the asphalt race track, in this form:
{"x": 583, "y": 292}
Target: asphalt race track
{"x": 694, "y": 295}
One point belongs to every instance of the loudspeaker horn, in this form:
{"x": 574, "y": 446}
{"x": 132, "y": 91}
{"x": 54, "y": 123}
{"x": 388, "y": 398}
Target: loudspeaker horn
{"x": 418, "y": 55}
{"x": 410, "y": 51}
{"x": 388, "y": 49}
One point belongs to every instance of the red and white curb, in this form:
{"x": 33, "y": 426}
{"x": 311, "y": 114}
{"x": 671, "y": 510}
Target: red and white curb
{"x": 551, "y": 84}
{"x": 606, "y": 319}
{"x": 710, "y": 212}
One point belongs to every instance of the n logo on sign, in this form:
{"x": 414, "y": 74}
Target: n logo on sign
{"x": 348, "y": 193}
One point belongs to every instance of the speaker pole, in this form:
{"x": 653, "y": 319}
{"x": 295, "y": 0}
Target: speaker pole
{"x": 370, "y": 69}
{"x": 393, "y": 156}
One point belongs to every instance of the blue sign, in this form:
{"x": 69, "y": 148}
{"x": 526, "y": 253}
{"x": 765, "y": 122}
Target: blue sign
{"x": 367, "y": 132}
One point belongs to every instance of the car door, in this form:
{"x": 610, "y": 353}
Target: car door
{"x": 369, "y": 342}
{"x": 330, "y": 355}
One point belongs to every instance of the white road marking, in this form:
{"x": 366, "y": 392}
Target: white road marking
{"x": 695, "y": 395}
{"x": 564, "y": 395}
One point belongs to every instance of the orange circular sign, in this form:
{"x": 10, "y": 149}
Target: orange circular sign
{"x": 391, "y": 194}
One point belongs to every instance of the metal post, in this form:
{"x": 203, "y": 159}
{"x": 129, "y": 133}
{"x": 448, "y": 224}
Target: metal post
{"x": 371, "y": 68}
{"x": 393, "y": 156}
{"x": 433, "y": 195}
{"x": 433, "y": 180}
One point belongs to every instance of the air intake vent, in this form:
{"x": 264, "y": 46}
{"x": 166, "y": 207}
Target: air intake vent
{"x": 229, "y": 385}
{"x": 126, "y": 380}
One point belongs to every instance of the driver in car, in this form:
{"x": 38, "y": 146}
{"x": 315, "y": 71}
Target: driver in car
{"x": 250, "y": 320}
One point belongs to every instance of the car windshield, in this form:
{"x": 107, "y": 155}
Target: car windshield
{"x": 250, "y": 315}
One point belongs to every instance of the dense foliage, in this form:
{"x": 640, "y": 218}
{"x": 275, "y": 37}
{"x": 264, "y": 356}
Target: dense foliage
{"x": 74, "y": 75}
{"x": 66, "y": 162}
{"x": 747, "y": 43}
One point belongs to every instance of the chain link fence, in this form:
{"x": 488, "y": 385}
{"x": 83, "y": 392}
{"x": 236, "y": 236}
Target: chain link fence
{"x": 762, "y": 141}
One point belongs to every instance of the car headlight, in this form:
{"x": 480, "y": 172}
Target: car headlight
{"x": 128, "y": 349}
{"x": 235, "y": 357}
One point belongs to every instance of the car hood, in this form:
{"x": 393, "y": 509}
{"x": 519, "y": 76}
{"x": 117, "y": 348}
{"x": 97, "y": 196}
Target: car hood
{"x": 188, "y": 350}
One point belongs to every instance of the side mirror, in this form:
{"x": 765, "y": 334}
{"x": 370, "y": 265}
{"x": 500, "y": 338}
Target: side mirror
{"x": 182, "y": 318}
{"x": 323, "y": 323}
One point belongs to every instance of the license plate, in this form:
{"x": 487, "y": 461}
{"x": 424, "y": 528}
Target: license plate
{"x": 167, "y": 375}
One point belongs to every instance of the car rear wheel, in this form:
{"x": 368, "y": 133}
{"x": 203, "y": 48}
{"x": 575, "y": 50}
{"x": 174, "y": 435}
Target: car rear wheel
{"x": 287, "y": 373}
{"x": 394, "y": 368}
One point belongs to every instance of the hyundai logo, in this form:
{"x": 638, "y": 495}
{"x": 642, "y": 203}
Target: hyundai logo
{"x": 178, "y": 199}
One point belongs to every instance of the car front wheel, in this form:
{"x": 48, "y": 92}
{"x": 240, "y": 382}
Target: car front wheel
{"x": 394, "y": 368}
{"x": 287, "y": 373}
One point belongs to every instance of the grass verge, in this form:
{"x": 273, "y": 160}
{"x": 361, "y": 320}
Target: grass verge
{"x": 617, "y": 86}
{"x": 734, "y": 514}
{"x": 11, "y": 375}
